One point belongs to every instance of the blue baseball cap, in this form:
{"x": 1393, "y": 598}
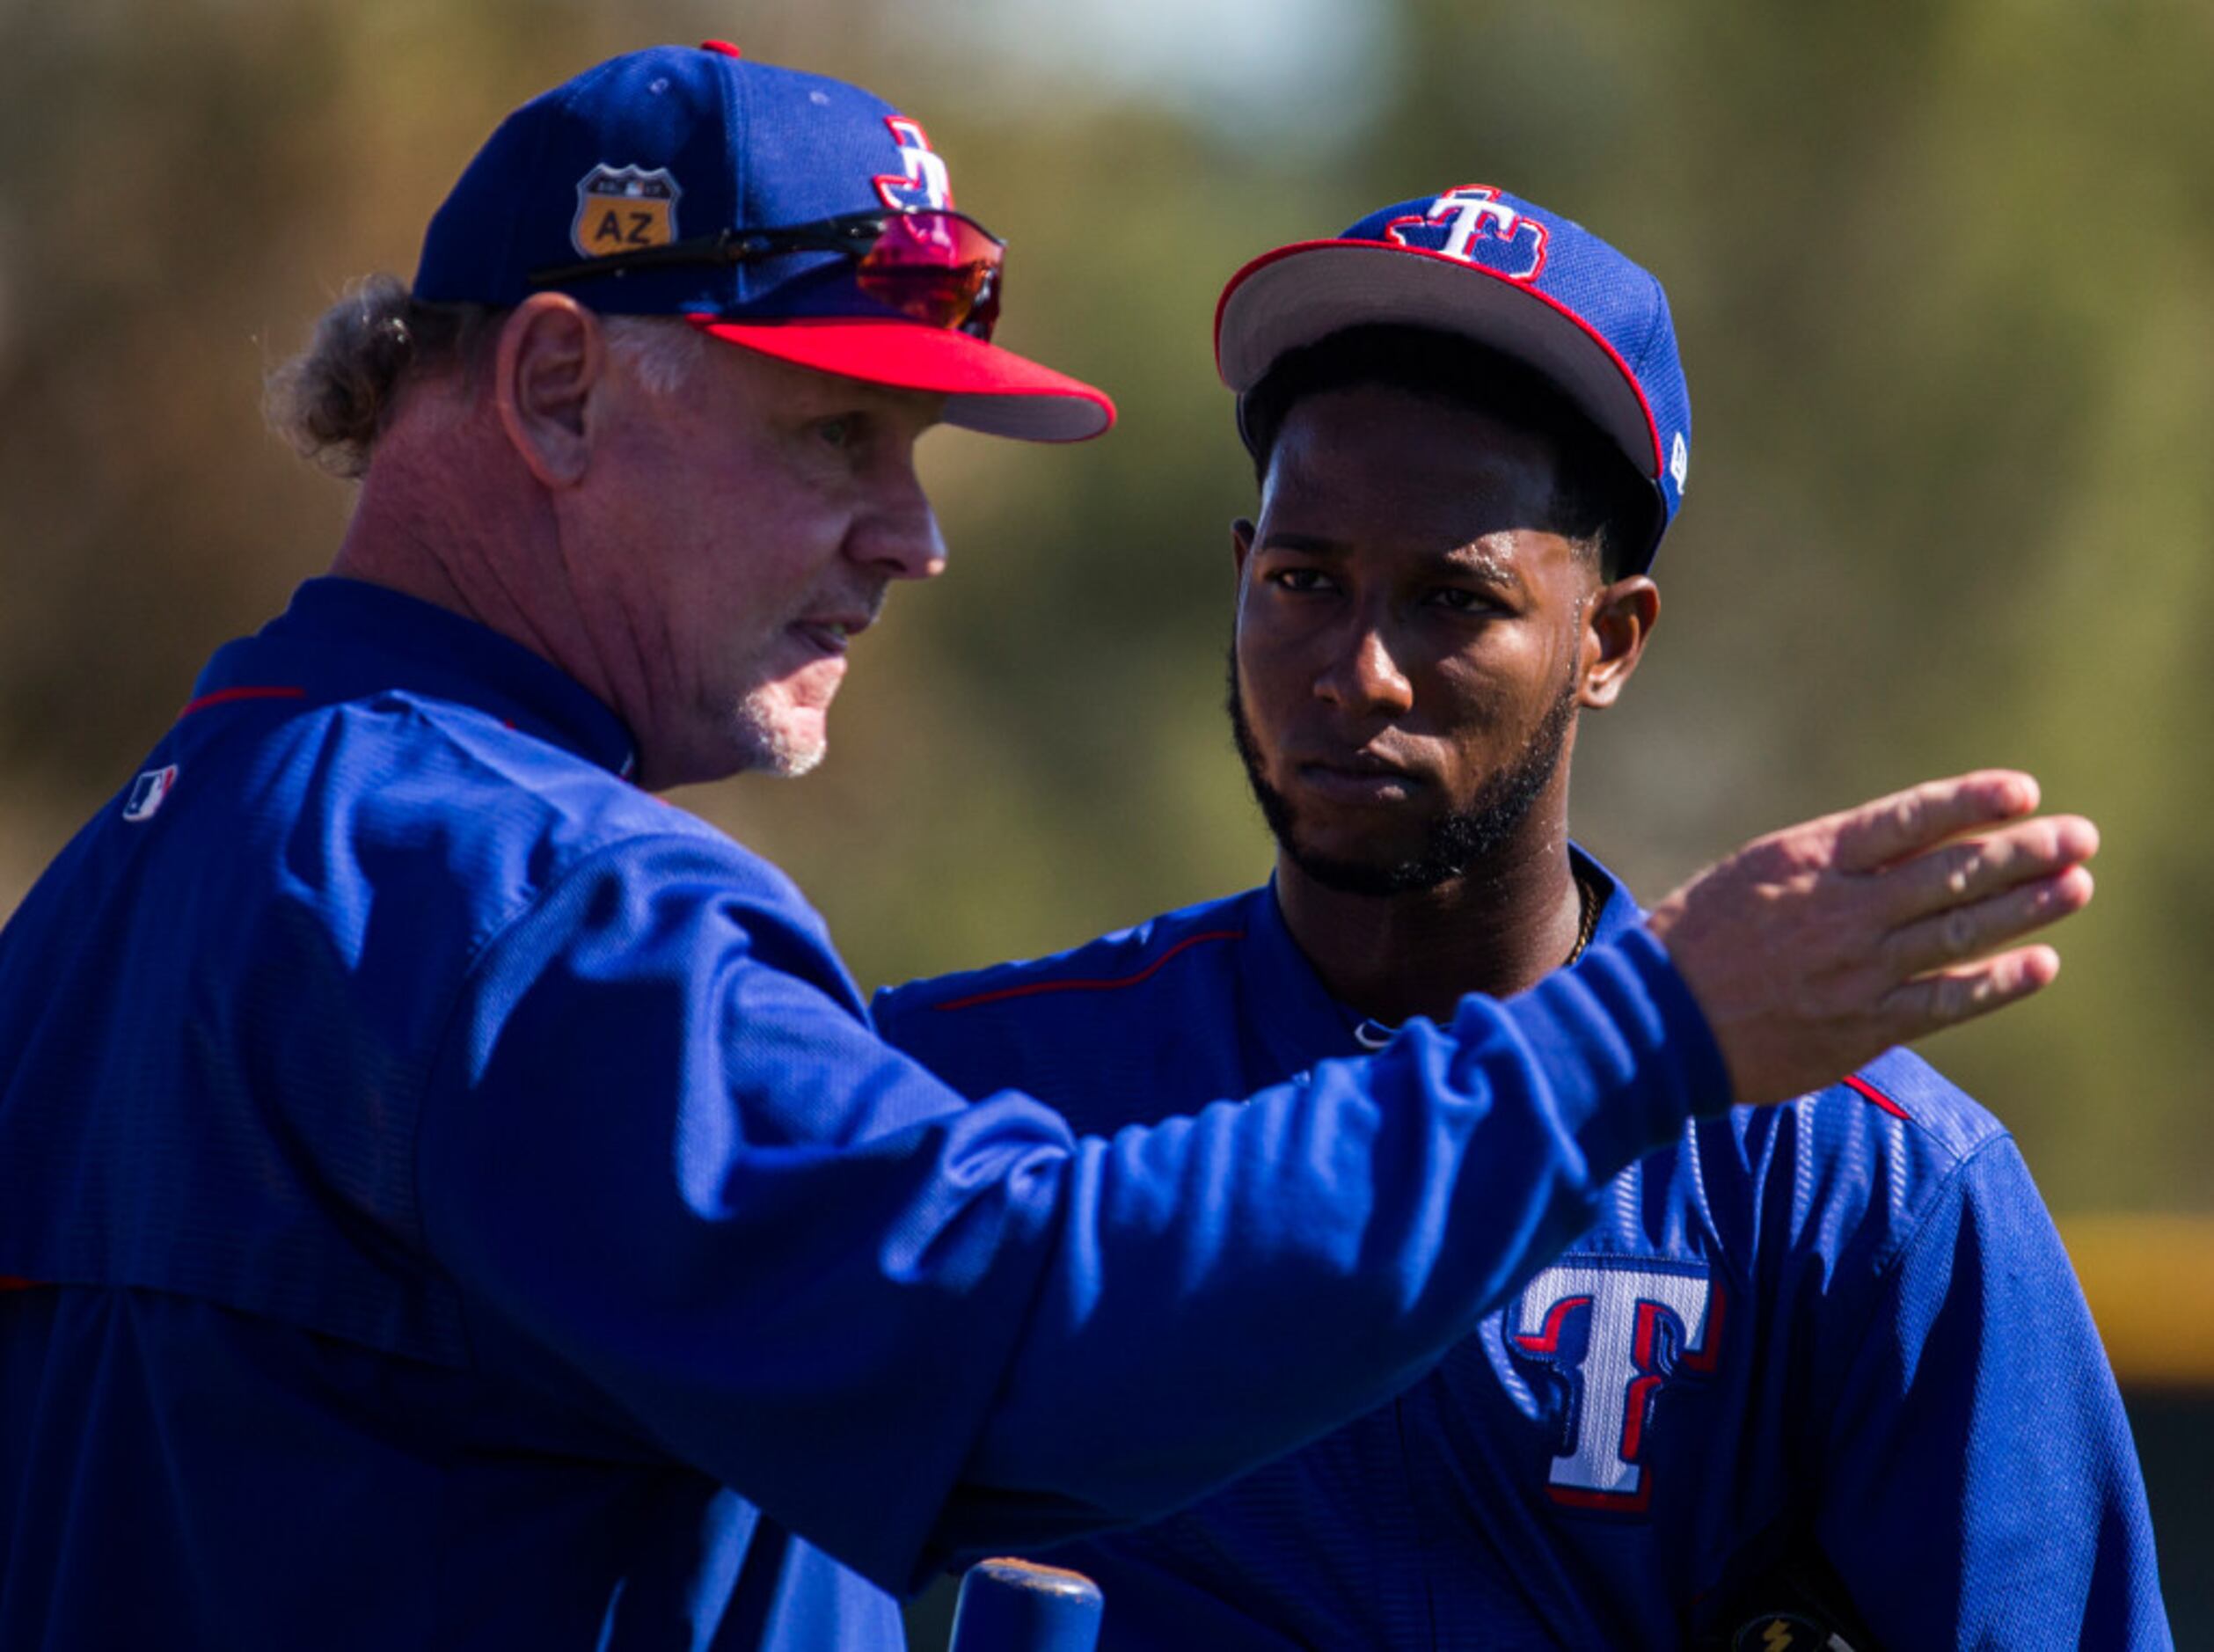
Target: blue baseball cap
{"x": 599, "y": 185}
{"x": 1496, "y": 268}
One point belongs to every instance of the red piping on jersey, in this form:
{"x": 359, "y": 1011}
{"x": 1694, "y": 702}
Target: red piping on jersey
{"x": 1872, "y": 1093}
{"x": 225, "y": 696}
{"x": 1027, "y": 988}
{"x": 9, "y": 1281}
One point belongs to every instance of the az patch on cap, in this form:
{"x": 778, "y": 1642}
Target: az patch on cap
{"x": 621, "y": 208}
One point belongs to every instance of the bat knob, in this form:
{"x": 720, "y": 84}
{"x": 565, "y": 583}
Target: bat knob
{"x": 1020, "y": 1606}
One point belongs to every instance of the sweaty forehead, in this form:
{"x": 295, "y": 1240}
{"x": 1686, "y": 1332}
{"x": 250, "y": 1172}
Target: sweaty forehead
{"x": 1370, "y": 461}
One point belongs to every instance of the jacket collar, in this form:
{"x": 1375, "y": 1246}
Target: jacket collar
{"x": 1301, "y": 1023}
{"x": 342, "y": 639}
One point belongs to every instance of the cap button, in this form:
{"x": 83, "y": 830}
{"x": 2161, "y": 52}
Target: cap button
{"x": 724, "y": 47}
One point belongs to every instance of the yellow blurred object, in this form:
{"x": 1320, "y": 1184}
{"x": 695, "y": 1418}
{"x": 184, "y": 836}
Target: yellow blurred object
{"x": 2150, "y": 1281}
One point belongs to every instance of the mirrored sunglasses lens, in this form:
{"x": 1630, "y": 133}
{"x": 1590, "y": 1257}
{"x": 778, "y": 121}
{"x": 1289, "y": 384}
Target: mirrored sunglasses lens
{"x": 937, "y": 267}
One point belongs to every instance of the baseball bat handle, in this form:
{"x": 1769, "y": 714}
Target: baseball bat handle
{"x": 1020, "y": 1606}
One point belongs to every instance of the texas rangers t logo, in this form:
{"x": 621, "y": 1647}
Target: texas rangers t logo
{"x": 923, "y": 185}
{"x": 1473, "y": 225}
{"x": 1617, "y": 1330}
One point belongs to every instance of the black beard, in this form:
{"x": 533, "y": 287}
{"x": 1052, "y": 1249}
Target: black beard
{"x": 1457, "y": 842}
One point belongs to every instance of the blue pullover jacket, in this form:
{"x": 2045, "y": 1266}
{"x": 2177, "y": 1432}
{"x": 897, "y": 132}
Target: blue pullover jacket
{"x": 449, "y": 1198}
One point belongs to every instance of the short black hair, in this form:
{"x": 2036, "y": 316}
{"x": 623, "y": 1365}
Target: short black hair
{"x": 1599, "y": 499}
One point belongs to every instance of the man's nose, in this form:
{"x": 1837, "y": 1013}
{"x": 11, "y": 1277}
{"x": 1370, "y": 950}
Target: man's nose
{"x": 898, "y": 535}
{"x": 1364, "y": 676}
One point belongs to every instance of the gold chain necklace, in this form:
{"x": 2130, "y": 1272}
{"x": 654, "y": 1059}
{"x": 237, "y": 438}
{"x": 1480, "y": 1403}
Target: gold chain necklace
{"x": 1374, "y": 1035}
{"x": 1588, "y": 902}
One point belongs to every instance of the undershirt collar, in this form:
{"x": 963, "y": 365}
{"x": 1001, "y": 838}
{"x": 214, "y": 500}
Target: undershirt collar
{"x": 1286, "y": 978}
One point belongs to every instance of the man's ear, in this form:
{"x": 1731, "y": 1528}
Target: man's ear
{"x": 552, "y": 356}
{"x": 1622, "y": 617}
{"x": 1241, "y": 545}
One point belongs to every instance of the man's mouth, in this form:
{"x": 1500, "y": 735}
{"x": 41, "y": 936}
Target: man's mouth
{"x": 1359, "y": 777}
{"x": 829, "y": 635}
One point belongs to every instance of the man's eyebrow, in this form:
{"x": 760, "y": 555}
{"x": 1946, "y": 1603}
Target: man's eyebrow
{"x": 1485, "y": 567}
{"x": 1304, "y": 544}
{"x": 1479, "y": 563}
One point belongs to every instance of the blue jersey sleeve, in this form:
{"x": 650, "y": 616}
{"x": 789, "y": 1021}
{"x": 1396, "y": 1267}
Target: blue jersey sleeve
{"x": 1981, "y": 1488}
{"x": 663, "y": 1150}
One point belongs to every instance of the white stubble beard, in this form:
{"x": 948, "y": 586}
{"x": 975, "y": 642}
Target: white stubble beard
{"x": 767, "y": 746}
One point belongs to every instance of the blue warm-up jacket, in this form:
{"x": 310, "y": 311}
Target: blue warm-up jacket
{"x": 449, "y": 1198}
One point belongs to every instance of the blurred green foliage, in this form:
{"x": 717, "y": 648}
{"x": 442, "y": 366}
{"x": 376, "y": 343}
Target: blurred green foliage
{"x": 1945, "y": 281}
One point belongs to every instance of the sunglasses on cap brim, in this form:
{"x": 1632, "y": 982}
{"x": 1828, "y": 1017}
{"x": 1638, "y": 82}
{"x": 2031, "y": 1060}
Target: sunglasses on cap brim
{"x": 939, "y": 267}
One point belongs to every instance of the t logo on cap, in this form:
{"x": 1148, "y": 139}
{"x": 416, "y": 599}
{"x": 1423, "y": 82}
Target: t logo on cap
{"x": 925, "y": 185}
{"x": 1458, "y": 218}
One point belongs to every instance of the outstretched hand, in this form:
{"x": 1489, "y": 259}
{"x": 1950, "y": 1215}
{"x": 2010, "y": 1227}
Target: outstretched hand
{"x": 1815, "y": 948}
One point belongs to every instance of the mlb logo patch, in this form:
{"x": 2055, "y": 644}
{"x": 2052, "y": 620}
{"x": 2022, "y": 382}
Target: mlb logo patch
{"x": 621, "y": 208}
{"x": 148, "y": 792}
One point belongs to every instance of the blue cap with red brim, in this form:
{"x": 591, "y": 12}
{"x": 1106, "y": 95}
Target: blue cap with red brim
{"x": 674, "y": 146}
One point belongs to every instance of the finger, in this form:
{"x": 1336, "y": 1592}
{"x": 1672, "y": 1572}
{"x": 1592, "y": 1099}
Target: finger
{"x": 1891, "y": 828}
{"x": 1965, "y": 931}
{"x": 1960, "y": 873}
{"x": 1949, "y": 996}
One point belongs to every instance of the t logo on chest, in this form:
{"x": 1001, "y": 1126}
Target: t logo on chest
{"x": 1617, "y": 1330}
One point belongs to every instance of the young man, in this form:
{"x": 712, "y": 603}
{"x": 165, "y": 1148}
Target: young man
{"x": 1821, "y": 1369}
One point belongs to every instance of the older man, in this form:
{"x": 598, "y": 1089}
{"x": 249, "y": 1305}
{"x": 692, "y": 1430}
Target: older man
{"x": 1814, "y": 1371}
{"x": 451, "y": 1198}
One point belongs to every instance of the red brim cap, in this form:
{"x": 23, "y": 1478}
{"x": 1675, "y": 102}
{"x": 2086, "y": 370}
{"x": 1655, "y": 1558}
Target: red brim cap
{"x": 986, "y": 388}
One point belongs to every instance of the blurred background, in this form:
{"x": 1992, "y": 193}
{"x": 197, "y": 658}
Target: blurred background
{"x": 1944, "y": 277}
